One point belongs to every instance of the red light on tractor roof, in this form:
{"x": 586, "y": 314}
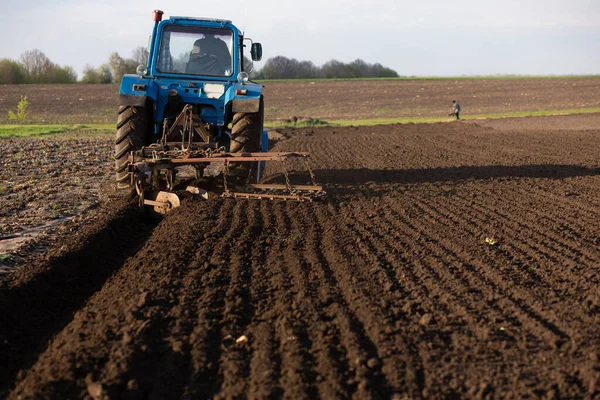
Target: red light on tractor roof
{"x": 157, "y": 15}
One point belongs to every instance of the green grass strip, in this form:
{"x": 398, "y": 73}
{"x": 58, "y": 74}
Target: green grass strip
{"x": 95, "y": 130}
{"x": 428, "y": 120}
{"x": 39, "y": 130}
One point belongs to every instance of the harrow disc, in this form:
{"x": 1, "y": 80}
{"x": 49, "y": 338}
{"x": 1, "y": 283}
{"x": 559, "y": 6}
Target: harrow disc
{"x": 164, "y": 202}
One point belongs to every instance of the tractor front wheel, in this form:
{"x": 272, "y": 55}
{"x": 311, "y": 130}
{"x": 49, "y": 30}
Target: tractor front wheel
{"x": 132, "y": 128}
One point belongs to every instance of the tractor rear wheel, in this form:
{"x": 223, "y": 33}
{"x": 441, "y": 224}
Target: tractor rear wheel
{"x": 246, "y": 131}
{"x": 132, "y": 128}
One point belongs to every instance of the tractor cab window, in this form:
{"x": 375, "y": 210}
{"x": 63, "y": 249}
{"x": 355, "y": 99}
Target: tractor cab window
{"x": 195, "y": 51}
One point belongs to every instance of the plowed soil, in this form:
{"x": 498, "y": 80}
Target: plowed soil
{"x": 454, "y": 260}
{"x": 334, "y": 100}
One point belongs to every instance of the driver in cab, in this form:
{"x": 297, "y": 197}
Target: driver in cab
{"x": 209, "y": 56}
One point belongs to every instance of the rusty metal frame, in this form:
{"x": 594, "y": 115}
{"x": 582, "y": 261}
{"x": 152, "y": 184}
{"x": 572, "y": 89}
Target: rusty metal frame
{"x": 285, "y": 191}
{"x": 169, "y": 155}
{"x": 190, "y": 123}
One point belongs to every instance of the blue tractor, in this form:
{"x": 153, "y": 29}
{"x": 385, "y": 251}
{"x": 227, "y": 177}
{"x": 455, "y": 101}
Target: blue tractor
{"x": 193, "y": 105}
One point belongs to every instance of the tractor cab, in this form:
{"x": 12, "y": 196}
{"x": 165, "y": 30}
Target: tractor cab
{"x": 197, "y": 61}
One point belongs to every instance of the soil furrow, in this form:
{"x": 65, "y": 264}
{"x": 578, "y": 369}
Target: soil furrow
{"x": 370, "y": 307}
{"x": 41, "y": 299}
{"x": 442, "y": 325}
{"x": 543, "y": 247}
{"x": 496, "y": 331}
{"x": 380, "y": 380}
{"x": 196, "y": 300}
{"x": 239, "y": 303}
{"x": 214, "y": 333}
{"x": 478, "y": 274}
{"x": 265, "y": 363}
{"x": 333, "y": 372}
{"x": 394, "y": 258}
{"x": 298, "y": 374}
{"x": 452, "y": 268}
{"x": 563, "y": 201}
{"x": 519, "y": 264}
{"x": 102, "y": 334}
{"x": 557, "y": 212}
{"x": 346, "y": 345}
{"x": 427, "y": 276}
{"x": 208, "y": 281}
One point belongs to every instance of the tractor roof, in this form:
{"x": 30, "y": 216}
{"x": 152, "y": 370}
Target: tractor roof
{"x": 221, "y": 21}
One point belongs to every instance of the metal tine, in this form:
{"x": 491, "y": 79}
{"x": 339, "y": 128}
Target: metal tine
{"x": 287, "y": 191}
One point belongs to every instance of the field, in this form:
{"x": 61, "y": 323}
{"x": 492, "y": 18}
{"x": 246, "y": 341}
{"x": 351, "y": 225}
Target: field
{"x": 448, "y": 260}
{"x": 337, "y": 100}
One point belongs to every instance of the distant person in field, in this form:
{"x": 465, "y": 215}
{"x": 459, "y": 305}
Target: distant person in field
{"x": 455, "y": 109}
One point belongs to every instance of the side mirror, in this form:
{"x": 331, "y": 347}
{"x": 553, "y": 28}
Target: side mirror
{"x": 256, "y": 51}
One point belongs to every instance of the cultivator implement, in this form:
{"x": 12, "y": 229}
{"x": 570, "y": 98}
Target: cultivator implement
{"x": 187, "y": 143}
{"x": 153, "y": 171}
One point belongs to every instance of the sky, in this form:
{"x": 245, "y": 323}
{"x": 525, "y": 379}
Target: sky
{"x": 420, "y": 38}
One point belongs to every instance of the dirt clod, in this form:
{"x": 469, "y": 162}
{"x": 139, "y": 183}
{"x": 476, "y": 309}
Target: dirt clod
{"x": 94, "y": 389}
{"x": 143, "y": 300}
{"x": 425, "y": 319}
{"x": 372, "y": 363}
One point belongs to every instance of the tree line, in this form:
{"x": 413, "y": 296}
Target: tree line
{"x": 35, "y": 67}
{"x": 289, "y": 68}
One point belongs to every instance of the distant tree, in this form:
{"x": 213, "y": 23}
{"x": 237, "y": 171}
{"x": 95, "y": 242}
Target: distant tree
{"x": 374, "y": 70}
{"x": 37, "y": 65}
{"x": 120, "y": 66}
{"x": 90, "y": 75}
{"x": 307, "y": 70}
{"x": 12, "y": 72}
{"x": 62, "y": 75}
{"x": 275, "y": 68}
{"x": 281, "y": 67}
{"x": 384, "y": 72}
{"x": 40, "y": 69}
{"x": 336, "y": 69}
{"x": 117, "y": 66}
{"x": 250, "y": 68}
{"x": 247, "y": 64}
{"x": 104, "y": 74}
{"x": 357, "y": 69}
{"x": 140, "y": 55}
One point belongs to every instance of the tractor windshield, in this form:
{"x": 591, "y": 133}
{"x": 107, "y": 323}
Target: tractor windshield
{"x": 194, "y": 50}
